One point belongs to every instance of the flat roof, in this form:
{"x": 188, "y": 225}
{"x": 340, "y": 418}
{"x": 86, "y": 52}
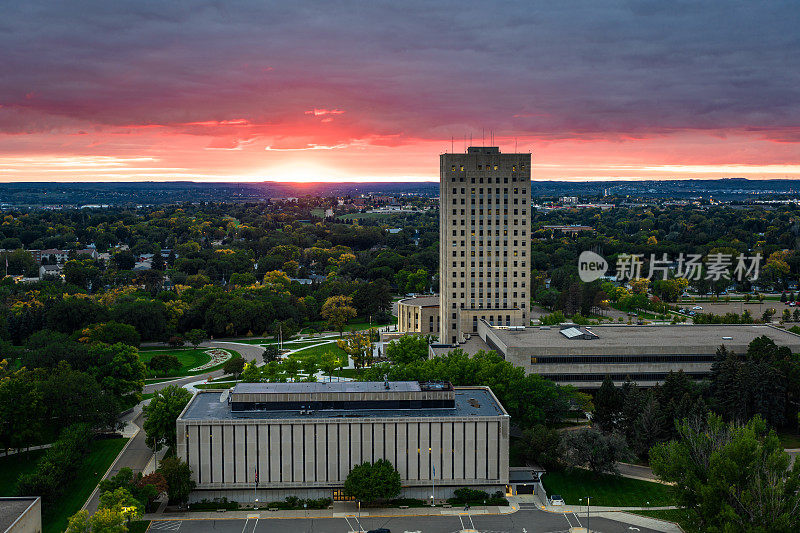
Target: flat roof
{"x": 689, "y": 336}
{"x": 316, "y": 387}
{"x": 12, "y": 508}
{"x": 469, "y": 401}
{"x": 421, "y": 301}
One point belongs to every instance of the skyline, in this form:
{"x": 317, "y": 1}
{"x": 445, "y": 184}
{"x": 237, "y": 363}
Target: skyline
{"x": 254, "y": 92}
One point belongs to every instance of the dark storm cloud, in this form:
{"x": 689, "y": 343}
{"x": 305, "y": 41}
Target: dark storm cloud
{"x": 414, "y": 69}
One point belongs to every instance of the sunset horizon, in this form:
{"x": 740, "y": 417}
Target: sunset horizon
{"x": 202, "y": 92}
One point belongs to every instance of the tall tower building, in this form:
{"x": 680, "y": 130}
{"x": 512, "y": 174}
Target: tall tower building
{"x": 484, "y": 230}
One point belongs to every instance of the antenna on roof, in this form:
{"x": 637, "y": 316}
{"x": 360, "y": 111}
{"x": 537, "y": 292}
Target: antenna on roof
{"x": 452, "y": 150}
{"x": 483, "y": 136}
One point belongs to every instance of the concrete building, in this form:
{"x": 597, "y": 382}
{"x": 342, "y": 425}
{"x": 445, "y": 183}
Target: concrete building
{"x": 583, "y": 356}
{"x": 419, "y": 315}
{"x": 302, "y": 439}
{"x": 21, "y": 515}
{"x": 484, "y": 229}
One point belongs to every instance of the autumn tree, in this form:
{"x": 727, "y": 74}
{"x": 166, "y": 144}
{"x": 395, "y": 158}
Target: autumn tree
{"x": 337, "y": 311}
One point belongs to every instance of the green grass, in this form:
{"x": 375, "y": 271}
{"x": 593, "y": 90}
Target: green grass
{"x": 606, "y": 490}
{"x": 13, "y": 466}
{"x": 683, "y": 517}
{"x": 148, "y": 395}
{"x": 189, "y": 358}
{"x": 319, "y": 351}
{"x": 789, "y": 440}
{"x": 80, "y": 486}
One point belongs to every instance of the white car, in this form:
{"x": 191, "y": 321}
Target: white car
{"x": 697, "y": 308}
{"x": 556, "y": 499}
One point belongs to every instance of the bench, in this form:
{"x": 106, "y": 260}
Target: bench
{"x": 403, "y": 506}
{"x": 273, "y": 509}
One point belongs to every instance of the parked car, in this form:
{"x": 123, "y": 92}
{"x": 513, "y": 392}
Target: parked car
{"x": 556, "y": 499}
{"x": 379, "y": 530}
{"x": 697, "y": 308}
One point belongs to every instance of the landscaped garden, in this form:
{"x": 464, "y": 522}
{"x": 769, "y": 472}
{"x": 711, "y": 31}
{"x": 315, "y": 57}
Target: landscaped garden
{"x": 606, "y": 489}
{"x": 193, "y": 360}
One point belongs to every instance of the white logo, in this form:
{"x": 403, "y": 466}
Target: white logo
{"x": 591, "y": 266}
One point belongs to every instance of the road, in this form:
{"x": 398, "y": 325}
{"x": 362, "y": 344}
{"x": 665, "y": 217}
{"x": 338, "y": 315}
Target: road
{"x": 525, "y": 521}
{"x": 135, "y": 456}
{"x": 248, "y": 351}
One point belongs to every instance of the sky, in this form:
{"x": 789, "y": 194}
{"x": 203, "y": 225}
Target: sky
{"x": 375, "y": 91}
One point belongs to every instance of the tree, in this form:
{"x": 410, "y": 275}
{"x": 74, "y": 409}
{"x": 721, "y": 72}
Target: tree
{"x": 124, "y": 260}
{"x": 590, "y": 448}
{"x": 329, "y": 363}
{"x": 271, "y": 353}
{"x": 179, "y": 478}
{"x": 407, "y": 349}
{"x": 117, "y": 368}
{"x": 369, "y": 482}
{"x": 196, "y": 336}
{"x": 110, "y": 333}
{"x": 102, "y": 521}
{"x": 735, "y": 477}
{"x": 337, "y": 310}
{"x": 123, "y": 501}
{"x": 163, "y": 363}
{"x": 161, "y": 414}
{"x": 607, "y": 406}
{"x": 250, "y": 373}
{"x": 539, "y": 446}
{"x": 234, "y": 366}
{"x": 358, "y": 345}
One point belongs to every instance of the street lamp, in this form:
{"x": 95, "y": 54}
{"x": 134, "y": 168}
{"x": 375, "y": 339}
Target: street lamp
{"x": 587, "y": 513}
{"x": 433, "y": 478}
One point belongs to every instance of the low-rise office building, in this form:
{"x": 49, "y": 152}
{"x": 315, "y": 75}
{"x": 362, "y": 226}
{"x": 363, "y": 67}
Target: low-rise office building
{"x": 267, "y": 441}
{"x": 583, "y": 355}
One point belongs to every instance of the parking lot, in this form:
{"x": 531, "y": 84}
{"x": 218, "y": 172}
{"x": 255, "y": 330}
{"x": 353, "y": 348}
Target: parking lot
{"x": 523, "y": 521}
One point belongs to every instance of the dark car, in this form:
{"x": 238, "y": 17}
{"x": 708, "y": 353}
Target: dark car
{"x": 379, "y": 530}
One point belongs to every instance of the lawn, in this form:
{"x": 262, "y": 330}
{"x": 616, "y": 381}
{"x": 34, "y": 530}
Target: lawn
{"x": 13, "y": 466}
{"x": 319, "y": 351}
{"x": 683, "y": 517}
{"x": 789, "y": 440}
{"x": 606, "y": 490}
{"x": 189, "y": 358}
{"x": 81, "y": 485}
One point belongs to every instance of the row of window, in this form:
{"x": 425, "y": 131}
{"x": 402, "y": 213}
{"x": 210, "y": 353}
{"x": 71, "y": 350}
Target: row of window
{"x": 489, "y": 243}
{"x": 621, "y": 376}
{"x": 488, "y": 284}
{"x": 489, "y": 265}
{"x": 485, "y": 167}
{"x": 608, "y": 359}
{"x": 489, "y": 212}
{"x": 489, "y": 233}
{"x": 488, "y": 303}
{"x": 516, "y": 190}
{"x": 514, "y": 179}
{"x": 488, "y": 201}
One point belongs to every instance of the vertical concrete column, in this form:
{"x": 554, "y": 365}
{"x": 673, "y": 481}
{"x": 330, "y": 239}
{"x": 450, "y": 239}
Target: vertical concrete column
{"x": 286, "y": 452}
{"x": 469, "y": 450}
{"x": 492, "y": 454}
{"x": 275, "y": 453}
{"x": 481, "y": 447}
{"x": 447, "y": 451}
{"x": 424, "y": 452}
{"x": 205, "y": 454}
{"x": 344, "y": 451}
{"x": 229, "y": 451}
{"x": 311, "y": 452}
{"x": 366, "y": 443}
{"x": 321, "y": 452}
{"x": 241, "y": 465}
{"x": 402, "y": 450}
{"x": 413, "y": 450}
{"x": 458, "y": 441}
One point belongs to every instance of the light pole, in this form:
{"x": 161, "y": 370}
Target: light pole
{"x": 587, "y": 513}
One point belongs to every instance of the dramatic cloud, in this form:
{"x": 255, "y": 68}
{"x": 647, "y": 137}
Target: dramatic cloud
{"x": 379, "y": 88}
